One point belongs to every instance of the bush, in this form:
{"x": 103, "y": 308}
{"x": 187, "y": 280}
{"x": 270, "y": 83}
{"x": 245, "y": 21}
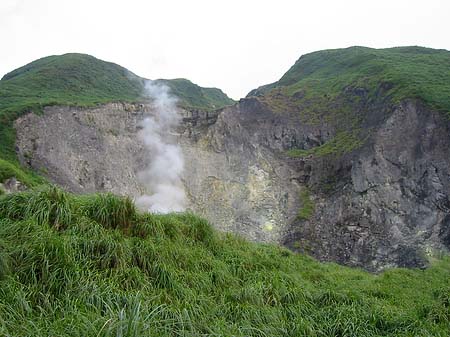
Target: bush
{"x": 13, "y": 206}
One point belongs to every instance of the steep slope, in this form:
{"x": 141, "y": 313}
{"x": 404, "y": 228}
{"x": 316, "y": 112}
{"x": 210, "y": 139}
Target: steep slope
{"x": 71, "y": 79}
{"x": 371, "y": 148}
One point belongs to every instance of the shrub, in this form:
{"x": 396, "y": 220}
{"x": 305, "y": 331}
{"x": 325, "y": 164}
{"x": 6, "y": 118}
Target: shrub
{"x": 48, "y": 205}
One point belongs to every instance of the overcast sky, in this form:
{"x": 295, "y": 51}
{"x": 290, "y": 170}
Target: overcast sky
{"x": 232, "y": 45}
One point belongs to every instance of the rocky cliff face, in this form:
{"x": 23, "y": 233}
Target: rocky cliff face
{"x": 389, "y": 204}
{"x": 238, "y": 184}
{"x": 381, "y": 203}
{"x": 84, "y": 150}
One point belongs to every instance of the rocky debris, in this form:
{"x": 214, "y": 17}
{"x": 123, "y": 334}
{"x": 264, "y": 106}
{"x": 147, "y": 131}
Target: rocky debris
{"x": 12, "y": 185}
{"x": 85, "y": 150}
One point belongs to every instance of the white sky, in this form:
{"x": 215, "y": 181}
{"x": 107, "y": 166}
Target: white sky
{"x": 233, "y": 45}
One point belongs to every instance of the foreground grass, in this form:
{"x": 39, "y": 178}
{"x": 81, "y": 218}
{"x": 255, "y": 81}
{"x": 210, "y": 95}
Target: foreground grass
{"x": 94, "y": 266}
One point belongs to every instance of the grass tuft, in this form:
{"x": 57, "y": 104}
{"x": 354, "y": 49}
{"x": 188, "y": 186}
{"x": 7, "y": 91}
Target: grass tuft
{"x": 50, "y": 205}
{"x": 13, "y": 170}
{"x": 308, "y": 207}
{"x": 109, "y": 210}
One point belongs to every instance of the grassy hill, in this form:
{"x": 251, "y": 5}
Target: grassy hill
{"x": 405, "y": 72}
{"x": 80, "y": 80}
{"x": 341, "y": 87}
{"x": 194, "y": 96}
{"x": 94, "y": 266}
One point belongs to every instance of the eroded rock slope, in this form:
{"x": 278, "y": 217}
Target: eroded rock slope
{"x": 384, "y": 203}
{"x": 229, "y": 177}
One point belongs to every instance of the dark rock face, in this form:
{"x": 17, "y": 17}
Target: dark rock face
{"x": 384, "y": 203}
{"x": 393, "y": 208}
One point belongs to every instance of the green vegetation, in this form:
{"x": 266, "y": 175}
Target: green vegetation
{"x": 402, "y": 72}
{"x": 308, "y": 207}
{"x": 340, "y": 87}
{"x": 11, "y": 169}
{"x": 342, "y": 143}
{"x": 94, "y": 266}
{"x": 193, "y": 96}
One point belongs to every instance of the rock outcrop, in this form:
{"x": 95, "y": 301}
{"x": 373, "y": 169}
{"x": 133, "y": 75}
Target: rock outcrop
{"x": 229, "y": 177}
{"x": 381, "y": 203}
{"x": 389, "y": 205}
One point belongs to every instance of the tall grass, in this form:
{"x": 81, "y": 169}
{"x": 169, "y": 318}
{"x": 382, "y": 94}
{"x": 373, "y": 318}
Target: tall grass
{"x": 109, "y": 210}
{"x": 73, "y": 266}
{"x": 48, "y": 205}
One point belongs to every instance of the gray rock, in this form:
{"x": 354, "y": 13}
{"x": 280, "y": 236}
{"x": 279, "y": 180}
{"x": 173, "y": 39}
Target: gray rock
{"x": 12, "y": 185}
{"x": 385, "y": 204}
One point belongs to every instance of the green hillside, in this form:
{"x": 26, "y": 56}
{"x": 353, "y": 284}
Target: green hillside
{"x": 79, "y": 80}
{"x": 194, "y": 96}
{"x": 340, "y": 87}
{"x": 403, "y": 72}
{"x": 71, "y": 79}
{"x": 93, "y": 266}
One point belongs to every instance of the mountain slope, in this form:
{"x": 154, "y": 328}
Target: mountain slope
{"x": 80, "y": 80}
{"x": 404, "y": 72}
{"x": 368, "y": 131}
{"x": 193, "y": 96}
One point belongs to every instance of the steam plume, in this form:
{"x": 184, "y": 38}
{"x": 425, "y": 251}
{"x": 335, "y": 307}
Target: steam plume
{"x": 162, "y": 178}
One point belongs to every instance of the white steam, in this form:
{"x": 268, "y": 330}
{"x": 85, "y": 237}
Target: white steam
{"x": 162, "y": 178}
